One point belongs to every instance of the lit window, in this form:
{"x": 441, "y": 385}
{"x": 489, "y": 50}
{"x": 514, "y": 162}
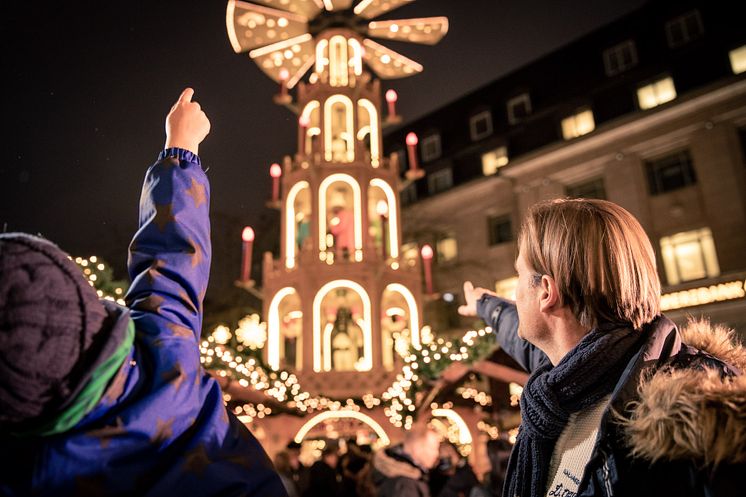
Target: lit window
{"x": 506, "y": 288}
{"x": 430, "y": 147}
{"x": 738, "y": 59}
{"x": 447, "y": 249}
{"x": 670, "y": 173}
{"x": 519, "y": 108}
{"x": 589, "y": 189}
{"x": 683, "y": 29}
{"x": 689, "y": 256}
{"x": 494, "y": 160}
{"x": 440, "y": 180}
{"x": 656, "y": 93}
{"x": 500, "y": 229}
{"x": 578, "y": 124}
{"x": 480, "y": 125}
{"x": 620, "y": 58}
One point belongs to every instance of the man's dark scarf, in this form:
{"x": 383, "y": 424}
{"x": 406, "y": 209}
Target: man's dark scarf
{"x": 582, "y": 378}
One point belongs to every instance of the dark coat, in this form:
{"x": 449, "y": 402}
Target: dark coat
{"x": 396, "y": 475}
{"x": 323, "y": 481}
{"x": 675, "y": 423}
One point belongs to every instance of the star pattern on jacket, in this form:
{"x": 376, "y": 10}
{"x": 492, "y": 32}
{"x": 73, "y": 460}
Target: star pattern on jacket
{"x": 152, "y": 303}
{"x": 198, "y": 193}
{"x": 106, "y": 433}
{"x": 116, "y": 388}
{"x": 153, "y": 270}
{"x": 197, "y": 255}
{"x": 197, "y": 460}
{"x": 163, "y": 431}
{"x": 163, "y": 215}
{"x": 175, "y": 376}
{"x": 180, "y": 331}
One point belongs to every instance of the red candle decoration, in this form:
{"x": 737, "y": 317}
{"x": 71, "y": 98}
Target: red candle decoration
{"x": 391, "y": 98}
{"x": 248, "y": 240}
{"x": 275, "y": 171}
{"x": 303, "y": 121}
{"x": 427, "y": 258}
{"x": 284, "y": 75}
{"x": 414, "y": 171}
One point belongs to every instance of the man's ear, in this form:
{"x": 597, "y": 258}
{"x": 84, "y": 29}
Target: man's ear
{"x": 548, "y": 294}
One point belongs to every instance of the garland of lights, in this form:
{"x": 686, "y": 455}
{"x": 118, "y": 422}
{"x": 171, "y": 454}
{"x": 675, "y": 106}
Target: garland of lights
{"x": 101, "y": 277}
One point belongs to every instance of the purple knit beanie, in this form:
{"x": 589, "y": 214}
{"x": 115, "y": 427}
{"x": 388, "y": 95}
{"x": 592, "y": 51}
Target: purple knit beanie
{"x": 49, "y": 317}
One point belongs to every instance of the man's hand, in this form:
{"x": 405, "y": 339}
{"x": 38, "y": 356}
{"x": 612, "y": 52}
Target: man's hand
{"x": 186, "y": 124}
{"x": 471, "y": 295}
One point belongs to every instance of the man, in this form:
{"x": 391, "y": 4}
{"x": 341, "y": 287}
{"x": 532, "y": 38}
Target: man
{"x": 298, "y": 471}
{"x": 97, "y": 399}
{"x": 401, "y": 471}
{"x": 324, "y": 481}
{"x": 619, "y": 402}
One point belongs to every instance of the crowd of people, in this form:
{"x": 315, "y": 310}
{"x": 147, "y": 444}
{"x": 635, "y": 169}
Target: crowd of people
{"x": 101, "y": 399}
{"x": 423, "y": 465}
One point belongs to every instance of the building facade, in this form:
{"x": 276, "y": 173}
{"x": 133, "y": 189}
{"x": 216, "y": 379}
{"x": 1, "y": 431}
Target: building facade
{"x": 648, "y": 112}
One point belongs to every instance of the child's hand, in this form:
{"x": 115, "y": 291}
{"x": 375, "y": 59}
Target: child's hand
{"x": 186, "y": 124}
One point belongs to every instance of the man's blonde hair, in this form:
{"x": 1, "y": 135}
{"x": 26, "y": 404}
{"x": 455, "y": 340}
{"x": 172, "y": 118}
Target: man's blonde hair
{"x": 598, "y": 255}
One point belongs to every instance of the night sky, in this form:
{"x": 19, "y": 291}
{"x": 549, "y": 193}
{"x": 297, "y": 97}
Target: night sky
{"x": 88, "y": 84}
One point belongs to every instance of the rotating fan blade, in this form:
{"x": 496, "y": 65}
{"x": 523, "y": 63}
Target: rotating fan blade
{"x": 292, "y": 55}
{"x": 425, "y": 30}
{"x": 388, "y": 64}
{"x": 374, "y": 8}
{"x": 306, "y": 8}
{"x": 251, "y": 26}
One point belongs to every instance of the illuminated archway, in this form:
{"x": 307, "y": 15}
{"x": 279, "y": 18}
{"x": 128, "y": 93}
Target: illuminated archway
{"x": 393, "y": 231}
{"x": 290, "y": 224}
{"x": 414, "y": 316}
{"x": 367, "y": 362}
{"x": 357, "y": 211}
{"x": 464, "y": 438}
{"x": 369, "y": 128}
{"x": 346, "y": 134}
{"x": 311, "y": 115}
{"x": 363, "y": 418}
{"x": 273, "y": 328}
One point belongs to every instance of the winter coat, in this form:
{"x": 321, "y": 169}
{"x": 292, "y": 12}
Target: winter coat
{"x": 161, "y": 427}
{"x": 676, "y": 422}
{"x": 396, "y": 475}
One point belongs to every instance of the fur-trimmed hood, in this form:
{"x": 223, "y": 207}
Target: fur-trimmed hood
{"x": 392, "y": 464}
{"x": 693, "y": 412}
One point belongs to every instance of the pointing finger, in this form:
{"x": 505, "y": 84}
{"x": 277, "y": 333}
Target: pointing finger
{"x": 186, "y": 95}
{"x": 468, "y": 287}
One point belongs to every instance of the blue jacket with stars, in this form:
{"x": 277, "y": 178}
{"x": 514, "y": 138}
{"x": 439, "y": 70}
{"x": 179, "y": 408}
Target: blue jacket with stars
{"x": 161, "y": 427}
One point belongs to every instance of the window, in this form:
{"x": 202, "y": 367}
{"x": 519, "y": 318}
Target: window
{"x": 494, "y": 160}
{"x": 430, "y": 147}
{"x": 519, "y": 108}
{"x": 620, "y": 58}
{"x": 683, "y": 29}
{"x": 447, "y": 249}
{"x": 578, "y": 124}
{"x": 656, "y": 93}
{"x": 500, "y": 229}
{"x": 670, "y": 173}
{"x": 738, "y": 59}
{"x": 408, "y": 195}
{"x": 440, "y": 180}
{"x": 505, "y": 288}
{"x": 480, "y": 125}
{"x": 589, "y": 189}
{"x": 689, "y": 256}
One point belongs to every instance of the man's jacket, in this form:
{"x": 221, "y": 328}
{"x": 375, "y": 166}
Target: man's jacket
{"x": 676, "y": 422}
{"x": 161, "y": 427}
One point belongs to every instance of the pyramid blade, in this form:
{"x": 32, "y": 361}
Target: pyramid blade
{"x": 251, "y": 26}
{"x": 306, "y": 8}
{"x": 291, "y": 55}
{"x": 425, "y": 30}
{"x": 387, "y": 63}
{"x": 374, "y": 8}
